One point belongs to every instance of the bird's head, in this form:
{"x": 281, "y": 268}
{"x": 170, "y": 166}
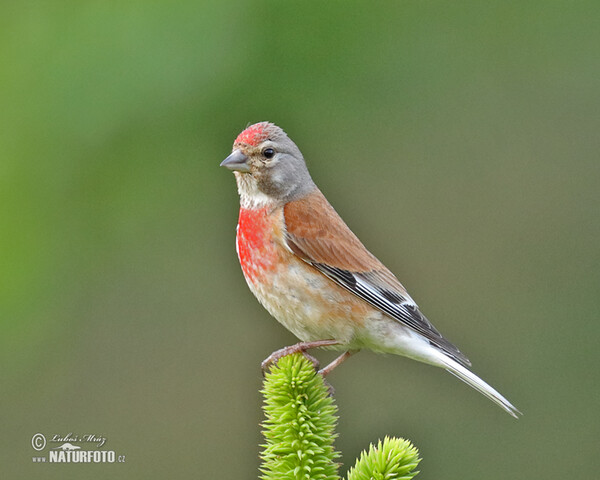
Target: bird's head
{"x": 268, "y": 166}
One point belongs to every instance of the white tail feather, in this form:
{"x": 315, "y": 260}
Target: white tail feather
{"x": 477, "y": 383}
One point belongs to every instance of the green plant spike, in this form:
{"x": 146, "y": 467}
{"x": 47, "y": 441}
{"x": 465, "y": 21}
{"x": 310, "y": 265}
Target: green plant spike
{"x": 300, "y": 423}
{"x": 392, "y": 459}
{"x": 299, "y": 432}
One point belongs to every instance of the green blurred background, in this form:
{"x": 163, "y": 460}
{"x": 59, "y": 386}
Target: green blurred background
{"x": 459, "y": 140}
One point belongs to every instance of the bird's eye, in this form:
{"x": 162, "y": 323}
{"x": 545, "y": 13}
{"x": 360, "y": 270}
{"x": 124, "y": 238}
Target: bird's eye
{"x": 268, "y": 153}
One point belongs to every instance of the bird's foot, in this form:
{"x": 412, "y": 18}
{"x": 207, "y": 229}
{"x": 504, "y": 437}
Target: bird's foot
{"x": 301, "y": 347}
{"x": 338, "y": 361}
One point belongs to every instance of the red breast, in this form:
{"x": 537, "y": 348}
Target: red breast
{"x": 256, "y": 247}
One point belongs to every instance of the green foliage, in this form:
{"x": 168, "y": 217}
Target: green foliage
{"x": 392, "y": 459}
{"x": 300, "y": 430}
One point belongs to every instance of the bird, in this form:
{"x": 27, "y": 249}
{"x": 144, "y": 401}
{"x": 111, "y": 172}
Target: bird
{"x": 312, "y": 273}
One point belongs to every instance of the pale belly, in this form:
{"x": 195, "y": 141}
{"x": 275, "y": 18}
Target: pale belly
{"x": 311, "y": 306}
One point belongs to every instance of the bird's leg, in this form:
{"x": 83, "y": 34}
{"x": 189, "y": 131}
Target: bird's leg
{"x": 299, "y": 347}
{"x": 338, "y": 361}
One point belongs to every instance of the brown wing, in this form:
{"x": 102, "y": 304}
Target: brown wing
{"x": 318, "y": 235}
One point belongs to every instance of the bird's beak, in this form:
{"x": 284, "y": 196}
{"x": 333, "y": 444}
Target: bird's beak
{"x": 237, "y": 161}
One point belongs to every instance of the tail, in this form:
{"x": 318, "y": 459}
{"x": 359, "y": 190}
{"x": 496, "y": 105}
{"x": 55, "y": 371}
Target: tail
{"x": 477, "y": 383}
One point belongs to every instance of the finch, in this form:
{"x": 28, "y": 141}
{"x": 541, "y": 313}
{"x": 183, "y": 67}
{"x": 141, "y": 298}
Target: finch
{"x": 311, "y": 273}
